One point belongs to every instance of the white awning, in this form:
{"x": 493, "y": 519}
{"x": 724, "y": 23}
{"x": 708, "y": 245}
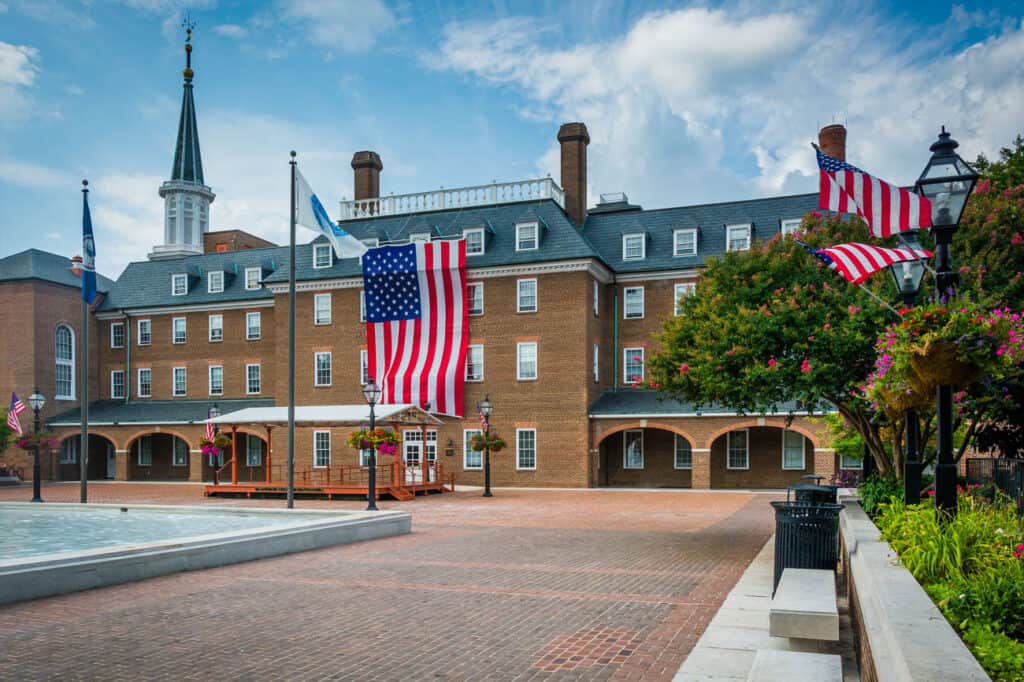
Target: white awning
{"x": 330, "y": 415}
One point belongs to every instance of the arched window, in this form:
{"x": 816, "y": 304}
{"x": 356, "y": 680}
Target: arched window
{"x": 64, "y": 356}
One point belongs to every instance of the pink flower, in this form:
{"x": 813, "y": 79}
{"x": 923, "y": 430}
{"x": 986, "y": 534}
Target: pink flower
{"x": 684, "y": 368}
{"x": 805, "y": 367}
{"x": 771, "y": 362}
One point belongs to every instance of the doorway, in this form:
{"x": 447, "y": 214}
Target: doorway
{"x": 111, "y": 462}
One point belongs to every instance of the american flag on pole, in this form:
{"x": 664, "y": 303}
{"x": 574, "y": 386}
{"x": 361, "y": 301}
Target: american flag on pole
{"x": 418, "y": 323}
{"x": 857, "y": 262}
{"x": 885, "y": 208}
{"x": 209, "y": 431}
{"x": 16, "y": 408}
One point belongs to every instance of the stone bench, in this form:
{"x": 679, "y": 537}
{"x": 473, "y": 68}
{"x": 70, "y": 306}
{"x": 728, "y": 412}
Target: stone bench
{"x": 804, "y": 606}
{"x": 772, "y": 665}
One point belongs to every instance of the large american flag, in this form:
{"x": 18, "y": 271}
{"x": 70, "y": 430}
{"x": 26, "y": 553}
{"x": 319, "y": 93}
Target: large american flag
{"x": 885, "y": 208}
{"x": 417, "y": 320}
{"x": 857, "y": 262}
{"x": 16, "y": 408}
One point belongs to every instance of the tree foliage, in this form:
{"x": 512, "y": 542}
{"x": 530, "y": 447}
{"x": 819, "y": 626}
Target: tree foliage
{"x": 1008, "y": 170}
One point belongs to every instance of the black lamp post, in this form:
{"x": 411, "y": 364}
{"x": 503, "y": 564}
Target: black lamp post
{"x": 371, "y": 391}
{"x": 485, "y": 408}
{"x": 947, "y": 181}
{"x": 213, "y": 413}
{"x": 36, "y": 402}
{"x": 908, "y": 276}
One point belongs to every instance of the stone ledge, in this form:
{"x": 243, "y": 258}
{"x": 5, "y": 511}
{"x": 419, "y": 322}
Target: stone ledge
{"x": 805, "y": 605}
{"x": 772, "y": 666}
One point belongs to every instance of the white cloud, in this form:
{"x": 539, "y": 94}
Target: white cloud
{"x": 27, "y": 174}
{"x": 348, "y": 25}
{"x": 18, "y": 64}
{"x": 230, "y": 30}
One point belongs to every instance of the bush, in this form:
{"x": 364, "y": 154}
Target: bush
{"x": 1001, "y": 656}
{"x": 876, "y": 490}
{"x": 992, "y": 598}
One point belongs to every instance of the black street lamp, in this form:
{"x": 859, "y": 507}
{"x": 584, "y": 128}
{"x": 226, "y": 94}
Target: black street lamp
{"x": 213, "y": 413}
{"x": 908, "y": 276}
{"x": 36, "y": 402}
{"x": 485, "y": 408}
{"x": 947, "y": 181}
{"x": 371, "y": 392}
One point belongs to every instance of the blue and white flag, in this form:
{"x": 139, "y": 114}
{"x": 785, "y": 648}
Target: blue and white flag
{"x": 88, "y": 253}
{"x": 310, "y": 213}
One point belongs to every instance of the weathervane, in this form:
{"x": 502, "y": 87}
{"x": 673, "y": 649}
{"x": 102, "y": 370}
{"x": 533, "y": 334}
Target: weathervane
{"x": 188, "y": 24}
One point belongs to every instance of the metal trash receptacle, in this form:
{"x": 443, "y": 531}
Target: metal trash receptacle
{"x": 809, "y": 492}
{"x": 806, "y": 536}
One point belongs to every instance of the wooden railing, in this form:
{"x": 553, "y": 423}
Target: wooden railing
{"x": 390, "y": 473}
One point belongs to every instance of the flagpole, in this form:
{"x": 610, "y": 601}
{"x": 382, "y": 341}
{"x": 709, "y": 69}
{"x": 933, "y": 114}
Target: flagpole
{"x": 291, "y": 347}
{"x": 83, "y": 444}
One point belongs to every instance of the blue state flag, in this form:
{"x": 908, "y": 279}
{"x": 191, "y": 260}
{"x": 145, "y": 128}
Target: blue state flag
{"x": 309, "y": 212}
{"x": 88, "y": 253}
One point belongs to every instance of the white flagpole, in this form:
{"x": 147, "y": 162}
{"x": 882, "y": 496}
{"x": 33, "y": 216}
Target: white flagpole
{"x": 291, "y": 348}
{"x": 83, "y": 445}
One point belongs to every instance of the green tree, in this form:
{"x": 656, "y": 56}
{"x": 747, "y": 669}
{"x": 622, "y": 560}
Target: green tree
{"x": 1008, "y": 171}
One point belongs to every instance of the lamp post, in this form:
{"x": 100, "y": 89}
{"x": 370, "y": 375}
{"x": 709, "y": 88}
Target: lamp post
{"x": 947, "y": 181}
{"x": 485, "y": 408}
{"x": 213, "y": 413}
{"x": 36, "y": 402}
{"x": 371, "y": 392}
{"x": 908, "y": 276}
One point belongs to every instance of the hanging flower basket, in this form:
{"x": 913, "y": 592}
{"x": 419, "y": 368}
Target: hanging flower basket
{"x": 44, "y": 441}
{"x": 384, "y": 442}
{"x": 215, "y": 446}
{"x": 491, "y": 441}
{"x": 938, "y": 363}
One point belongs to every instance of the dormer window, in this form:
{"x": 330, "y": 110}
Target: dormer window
{"x": 737, "y": 237}
{"x": 322, "y": 256}
{"x": 252, "y": 278}
{"x": 179, "y": 285}
{"x": 474, "y": 241}
{"x": 215, "y": 281}
{"x": 526, "y": 237}
{"x": 634, "y": 246}
{"x": 790, "y": 226}
{"x": 419, "y": 237}
{"x": 684, "y": 242}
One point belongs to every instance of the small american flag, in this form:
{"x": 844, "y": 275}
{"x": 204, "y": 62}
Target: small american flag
{"x": 886, "y": 209}
{"x": 483, "y": 420}
{"x": 209, "y": 430}
{"x": 16, "y": 408}
{"x": 857, "y": 262}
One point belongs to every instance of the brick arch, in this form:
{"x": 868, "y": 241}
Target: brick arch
{"x": 650, "y": 425}
{"x": 149, "y": 432}
{"x": 101, "y": 434}
{"x": 753, "y": 424}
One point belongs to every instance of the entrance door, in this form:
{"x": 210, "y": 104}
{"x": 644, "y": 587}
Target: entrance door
{"x": 412, "y": 447}
{"x": 111, "y": 462}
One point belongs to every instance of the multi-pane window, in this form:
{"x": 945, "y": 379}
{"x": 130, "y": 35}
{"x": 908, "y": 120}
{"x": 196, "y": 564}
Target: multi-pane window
{"x": 684, "y": 242}
{"x": 178, "y": 330}
{"x": 253, "y": 322}
{"x": 145, "y": 451}
{"x": 179, "y": 380}
{"x": 216, "y": 379}
{"x": 790, "y": 226}
{"x": 362, "y": 305}
{"x": 474, "y": 241}
{"x": 526, "y": 297}
{"x": 253, "y": 451}
{"x": 252, "y": 278}
{"x": 475, "y": 294}
{"x": 634, "y": 246}
{"x": 475, "y": 363}
{"x": 633, "y": 307}
{"x": 526, "y": 237}
{"x": 680, "y": 292}
{"x": 69, "y": 451}
{"x": 431, "y": 446}
{"x": 526, "y": 448}
{"x": 179, "y": 285}
{"x": 322, "y": 256}
{"x": 526, "y": 361}
{"x": 321, "y": 449}
{"x": 144, "y": 386}
{"x": 792, "y": 450}
{"x": 738, "y": 453}
{"x": 597, "y": 356}
{"x": 684, "y": 453}
{"x": 471, "y": 459}
{"x": 215, "y": 281}
{"x": 64, "y": 358}
{"x": 322, "y": 369}
{"x": 597, "y": 297}
{"x": 364, "y": 367}
{"x": 848, "y": 462}
{"x": 633, "y": 449}
{"x": 633, "y": 365}
{"x": 321, "y": 309}
{"x": 180, "y": 456}
{"x": 117, "y": 334}
{"x": 117, "y": 383}
{"x": 145, "y": 332}
{"x": 737, "y": 238}
{"x": 216, "y": 327}
{"x": 252, "y": 379}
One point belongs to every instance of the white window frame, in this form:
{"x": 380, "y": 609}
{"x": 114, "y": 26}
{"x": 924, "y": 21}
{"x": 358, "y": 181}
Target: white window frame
{"x": 364, "y": 367}
{"x": 318, "y": 249}
{"x": 728, "y": 236}
{"x": 483, "y": 241}
{"x": 627, "y": 353}
{"x": 519, "y": 295}
{"x": 69, "y": 451}
{"x": 249, "y": 459}
{"x": 597, "y": 297}
{"x": 113, "y": 384}
{"x": 625, "y": 303}
{"x": 138, "y": 382}
{"x": 330, "y": 369}
{"x": 177, "y": 279}
{"x": 676, "y": 251}
{"x": 254, "y": 315}
{"x": 788, "y": 226}
{"x": 215, "y": 281}
{"x": 174, "y": 381}
{"x": 471, "y": 297}
{"x": 803, "y": 451}
{"x": 174, "y": 330}
{"x": 317, "y": 320}
{"x": 209, "y": 376}
{"x": 248, "y": 379}
{"x": 625, "y": 449}
{"x": 211, "y": 328}
{"x": 253, "y": 285}
{"x": 746, "y": 450}
{"x": 317, "y": 442}
{"x": 139, "y": 335}
{"x": 115, "y": 325}
{"x": 362, "y": 305}
{"x": 469, "y": 357}
{"x": 679, "y": 292}
{"x": 144, "y": 456}
{"x": 519, "y": 357}
{"x": 519, "y": 466}
{"x": 467, "y": 435}
{"x": 675, "y": 453}
{"x": 520, "y": 227}
{"x": 370, "y": 242}
{"x": 597, "y": 360}
{"x": 68, "y": 364}
{"x": 643, "y": 246}
{"x": 854, "y": 464}
{"x": 175, "y": 451}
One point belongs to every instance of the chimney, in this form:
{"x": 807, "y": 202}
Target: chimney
{"x": 832, "y": 140}
{"x": 574, "y": 139}
{"x": 367, "y": 166}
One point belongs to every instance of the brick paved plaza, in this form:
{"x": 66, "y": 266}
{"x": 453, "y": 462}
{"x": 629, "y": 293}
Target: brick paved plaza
{"x": 531, "y": 584}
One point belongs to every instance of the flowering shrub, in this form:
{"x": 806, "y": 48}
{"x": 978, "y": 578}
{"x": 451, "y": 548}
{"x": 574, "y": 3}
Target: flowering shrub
{"x": 45, "y": 441}
{"x": 384, "y": 442}
{"x": 491, "y": 441}
{"x": 213, "y": 448}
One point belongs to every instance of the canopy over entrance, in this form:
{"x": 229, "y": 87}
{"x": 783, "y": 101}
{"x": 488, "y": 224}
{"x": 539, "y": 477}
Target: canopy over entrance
{"x": 329, "y": 415}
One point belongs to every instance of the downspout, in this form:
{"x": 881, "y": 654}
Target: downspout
{"x": 615, "y": 341}
{"x": 127, "y": 357}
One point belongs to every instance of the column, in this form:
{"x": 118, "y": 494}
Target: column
{"x": 825, "y": 462}
{"x": 195, "y": 466}
{"x": 700, "y": 474}
{"x": 120, "y": 465}
{"x": 234, "y": 455}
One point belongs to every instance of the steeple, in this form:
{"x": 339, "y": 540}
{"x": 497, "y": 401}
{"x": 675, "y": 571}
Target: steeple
{"x": 186, "y": 197}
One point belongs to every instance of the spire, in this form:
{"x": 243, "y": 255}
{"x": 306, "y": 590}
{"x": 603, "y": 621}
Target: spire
{"x": 188, "y": 163}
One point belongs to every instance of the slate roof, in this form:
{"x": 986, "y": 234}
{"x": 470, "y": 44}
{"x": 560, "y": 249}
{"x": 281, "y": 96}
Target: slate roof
{"x": 154, "y": 411}
{"x": 50, "y": 267}
{"x": 605, "y": 230}
{"x": 636, "y": 402}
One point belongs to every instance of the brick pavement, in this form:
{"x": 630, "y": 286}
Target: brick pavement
{"x": 531, "y": 584}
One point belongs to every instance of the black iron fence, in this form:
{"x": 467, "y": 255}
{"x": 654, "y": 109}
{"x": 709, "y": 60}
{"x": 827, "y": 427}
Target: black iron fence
{"x": 1006, "y": 473}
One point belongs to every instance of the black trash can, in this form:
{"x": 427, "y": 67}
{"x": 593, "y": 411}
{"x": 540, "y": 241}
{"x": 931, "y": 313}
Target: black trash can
{"x": 806, "y": 536}
{"x": 808, "y": 492}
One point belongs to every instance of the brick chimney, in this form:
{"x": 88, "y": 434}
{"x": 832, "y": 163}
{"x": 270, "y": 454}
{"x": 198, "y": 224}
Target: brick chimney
{"x": 832, "y": 140}
{"x": 574, "y": 140}
{"x": 367, "y": 166}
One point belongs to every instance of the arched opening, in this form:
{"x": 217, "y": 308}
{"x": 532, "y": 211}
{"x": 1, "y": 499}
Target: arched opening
{"x": 760, "y": 457}
{"x": 158, "y": 457}
{"x": 100, "y": 462}
{"x": 645, "y": 458}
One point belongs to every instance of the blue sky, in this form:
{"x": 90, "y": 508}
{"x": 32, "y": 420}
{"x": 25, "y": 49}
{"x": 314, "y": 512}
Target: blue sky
{"x": 686, "y": 103}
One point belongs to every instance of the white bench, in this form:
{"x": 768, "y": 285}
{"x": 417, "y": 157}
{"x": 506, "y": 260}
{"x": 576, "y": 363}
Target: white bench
{"x": 804, "y": 606}
{"x": 772, "y": 665}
